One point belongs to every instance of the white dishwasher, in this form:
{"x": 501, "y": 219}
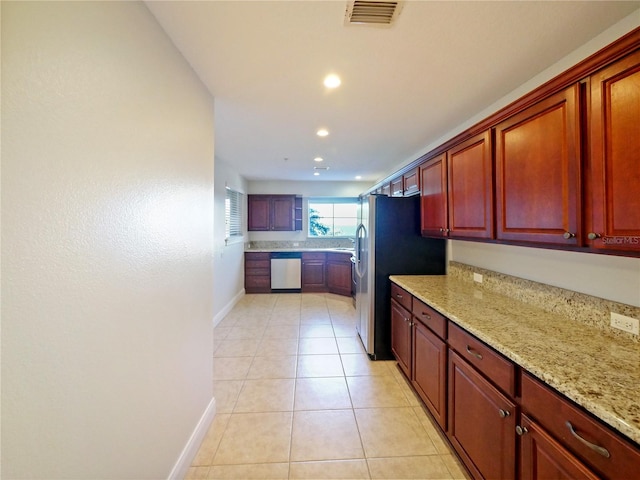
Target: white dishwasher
{"x": 286, "y": 271}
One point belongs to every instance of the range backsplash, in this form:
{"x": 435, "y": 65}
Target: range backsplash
{"x": 310, "y": 243}
{"x": 584, "y": 308}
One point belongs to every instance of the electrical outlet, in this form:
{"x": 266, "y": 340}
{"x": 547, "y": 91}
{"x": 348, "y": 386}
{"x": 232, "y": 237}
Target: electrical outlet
{"x": 628, "y": 324}
{"x": 477, "y": 277}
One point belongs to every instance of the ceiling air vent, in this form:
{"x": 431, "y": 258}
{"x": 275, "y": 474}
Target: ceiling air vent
{"x": 372, "y": 12}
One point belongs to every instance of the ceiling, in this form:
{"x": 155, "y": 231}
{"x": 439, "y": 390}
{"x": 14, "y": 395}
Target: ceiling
{"x": 403, "y": 86}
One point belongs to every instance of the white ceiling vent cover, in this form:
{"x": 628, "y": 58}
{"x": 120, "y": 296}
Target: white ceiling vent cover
{"x": 372, "y": 12}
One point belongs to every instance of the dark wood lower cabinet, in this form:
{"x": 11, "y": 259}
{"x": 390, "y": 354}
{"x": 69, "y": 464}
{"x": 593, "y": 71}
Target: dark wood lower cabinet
{"x": 257, "y": 272}
{"x": 542, "y": 457}
{"x": 531, "y": 432}
{"x": 314, "y": 272}
{"x": 339, "y": 273}
{"x": 430, "y": 371}
{"x": 401, "y": 336}
{"x": 482, "y": 422}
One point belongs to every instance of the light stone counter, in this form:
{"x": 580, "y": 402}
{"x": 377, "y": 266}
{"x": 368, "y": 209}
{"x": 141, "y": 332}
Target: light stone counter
{"x": 598, "y": 371}
{"x": 297, "y": 249}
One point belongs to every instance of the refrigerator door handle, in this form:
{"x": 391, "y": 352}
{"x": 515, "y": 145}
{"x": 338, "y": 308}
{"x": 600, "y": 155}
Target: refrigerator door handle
{"x": 361, "y": 229}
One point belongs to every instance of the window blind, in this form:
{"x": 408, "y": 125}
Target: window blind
{"x": 233, "y": 214}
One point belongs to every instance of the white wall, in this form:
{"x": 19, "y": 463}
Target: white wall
{"x": 228, "y": 264}
{"x": 107, "y": 234}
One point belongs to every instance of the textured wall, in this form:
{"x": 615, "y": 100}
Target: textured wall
{"x": 107, "y": 234}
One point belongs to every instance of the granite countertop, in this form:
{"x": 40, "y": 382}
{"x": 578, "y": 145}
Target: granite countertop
{"x": 598, "y": 371}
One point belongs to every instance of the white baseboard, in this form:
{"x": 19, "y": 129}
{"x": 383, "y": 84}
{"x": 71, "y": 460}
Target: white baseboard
{"x": 223, "y": 313}
{"x": 181, "y": 467}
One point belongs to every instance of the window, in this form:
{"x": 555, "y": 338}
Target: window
{"x": 333, "y": 217}
{"x": 233, "y": 215}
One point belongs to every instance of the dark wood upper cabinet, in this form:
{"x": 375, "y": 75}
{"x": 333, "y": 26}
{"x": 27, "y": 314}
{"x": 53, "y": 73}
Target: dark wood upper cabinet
{"x": 259, "y": 207}
{"x": 272, "y": 213}
{"x": 614, "y": 223}
{"x": 411, "y": 182}
{"x": 397, "y": 187}
{"x": 538, "y": 187}
{"x": 433, "y": 197}
{"x": 470, "y": 188}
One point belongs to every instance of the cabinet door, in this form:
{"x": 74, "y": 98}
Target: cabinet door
{"x": 339, "y": 277}
{"x": 542, "y": 457}
{"x": 397, "y": 187}
{"x": 430, "y": 371}
{"x": 538, "y": 172}
{"x": 411, "y": 182}
{"x": 282, "y": 212}
{"x": 313, "y": 272}
{"x": 615, "y": 156}
{"x": 470, "y": 188}
{"x": 481, "y": 422}
{"x": 259, "y": 207}
{"x": 401, "y": 336}
{"x": 433, "y": 197}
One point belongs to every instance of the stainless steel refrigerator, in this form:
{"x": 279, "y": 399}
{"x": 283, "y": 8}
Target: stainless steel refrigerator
{"x": 388, "y": 242}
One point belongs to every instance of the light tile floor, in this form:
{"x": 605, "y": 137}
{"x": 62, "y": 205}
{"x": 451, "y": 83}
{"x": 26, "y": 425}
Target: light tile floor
{"x": 298, "y": 398}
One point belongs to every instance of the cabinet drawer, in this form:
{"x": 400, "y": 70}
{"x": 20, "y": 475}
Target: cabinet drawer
{"x": 430, "y": 318}
{"x": 401, "y": 296}
{"x": 257, "y": 272}
{"x": 493, "y": 365}
{"x": 250, "y": 264}
{"x": 313, "y": 255}
{"x": 339, "y": 258}
{"x": 553, "y": 412}
{"x": 258, "y": 282}
{"x": 257, "y": 256}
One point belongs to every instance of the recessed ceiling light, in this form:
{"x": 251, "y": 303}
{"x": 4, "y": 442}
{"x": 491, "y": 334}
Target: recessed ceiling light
{"x": 358, "y": 177}
{"x": 332, "y": 81}
{"x": 318, "y": 159}
{"x": 316, "y": 173}
{"x": 323, "y": 132}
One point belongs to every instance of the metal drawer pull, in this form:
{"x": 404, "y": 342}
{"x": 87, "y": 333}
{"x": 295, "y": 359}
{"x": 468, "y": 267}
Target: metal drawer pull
{"x": 425, "y": 314}
{"x": 398, "y": 295}
{"x": 602, "y": 451}
{"x": 504, "y": 413}
{"x": 474, "y": 353}
{"x": 521, "y": 430}
{"x": 568, "y": 235}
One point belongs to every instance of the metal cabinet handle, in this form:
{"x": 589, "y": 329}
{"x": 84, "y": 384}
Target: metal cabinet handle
{"x": 426, "y": 315}
{"x": 593, "y": 236}
{"x": 474, "y": 353}
{"x": 521, "y": 430}
{"x": 504, "y": 413}
{"x": 568, "y": 235}
{"x": 601, "y": 450}
{"x": 398, "y": 296}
